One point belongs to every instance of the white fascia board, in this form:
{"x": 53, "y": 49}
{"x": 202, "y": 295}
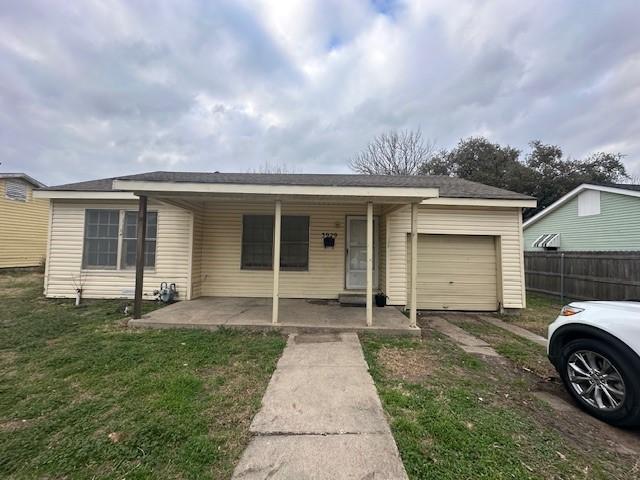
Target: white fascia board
{"x": 80, "y": 195}
{"x": 585, "y": 186}
{"x": 480, "y": 202}
{"x": 301, "y": 190}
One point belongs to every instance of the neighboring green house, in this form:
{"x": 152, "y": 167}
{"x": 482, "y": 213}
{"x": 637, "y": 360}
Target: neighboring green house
{"x": 589, "y": 218}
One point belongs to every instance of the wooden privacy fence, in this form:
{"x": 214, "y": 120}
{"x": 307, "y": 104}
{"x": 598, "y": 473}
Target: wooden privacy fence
{"x": 584, "y": 275}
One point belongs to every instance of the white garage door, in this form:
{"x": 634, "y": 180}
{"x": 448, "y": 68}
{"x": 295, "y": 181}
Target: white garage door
{"x": 457, "y": 272}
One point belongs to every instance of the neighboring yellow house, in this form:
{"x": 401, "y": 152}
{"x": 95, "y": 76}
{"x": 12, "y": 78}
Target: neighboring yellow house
{"x": 23, "y": 222}
{"x": 213, "y": 234}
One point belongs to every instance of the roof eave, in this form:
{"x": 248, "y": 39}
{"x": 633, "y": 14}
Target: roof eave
{"x": 84, "y": 194}
{"x": 482, "y": 202}
{"x": 24, "y": 177}
{"x": 152, "y": 187}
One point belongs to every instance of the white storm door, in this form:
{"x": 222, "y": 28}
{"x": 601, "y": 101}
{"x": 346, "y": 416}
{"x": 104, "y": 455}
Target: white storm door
{"x": 356, "y": 255}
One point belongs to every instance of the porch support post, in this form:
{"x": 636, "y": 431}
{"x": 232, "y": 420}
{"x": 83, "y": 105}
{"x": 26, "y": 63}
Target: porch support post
{"x": 413, "y": 299}
{"x": 276, "y": 260}
{"x": 142, "y": 235}
{"x": 369, "y": 264}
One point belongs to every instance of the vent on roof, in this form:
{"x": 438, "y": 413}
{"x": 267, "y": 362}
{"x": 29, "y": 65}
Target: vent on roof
{"x": 547, "y": 240}
{"x": 16, "y": 190}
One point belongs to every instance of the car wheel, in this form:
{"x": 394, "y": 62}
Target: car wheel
{"x": 601, "y": 379}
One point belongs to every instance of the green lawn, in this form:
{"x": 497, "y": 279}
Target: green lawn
{"x": 458, "y": 416}
{"x": 82, "y": 396}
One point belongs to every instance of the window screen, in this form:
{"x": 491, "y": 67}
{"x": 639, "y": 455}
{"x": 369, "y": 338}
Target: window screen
{"x": 130, "y": 239}
{"x": 294, "y": 246}
{"x": 101, "y": 238}
{"x": 257, "y": 242}
{"x": 15, "y": 190}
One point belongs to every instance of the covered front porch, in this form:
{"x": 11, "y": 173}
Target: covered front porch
{"x": 295, "y": 315}
{"x": 267, "y": 242}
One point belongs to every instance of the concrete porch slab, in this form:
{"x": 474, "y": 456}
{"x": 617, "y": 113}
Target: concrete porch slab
{"x": 296, "y": 316}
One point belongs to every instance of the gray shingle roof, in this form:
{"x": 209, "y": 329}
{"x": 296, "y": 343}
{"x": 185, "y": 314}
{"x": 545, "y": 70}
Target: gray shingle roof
{"x": 100, "y": 185}
{"x": 624, "y": 186}
{"x": 448, "y": 186}
{"x": 24, "y": 177}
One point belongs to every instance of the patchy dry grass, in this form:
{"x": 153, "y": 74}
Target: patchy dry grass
{"x": 522, "y": 352}
{"x": 468, "y": 417}
{"x": 82, "y": 396}
{"x": 540, "y": 312}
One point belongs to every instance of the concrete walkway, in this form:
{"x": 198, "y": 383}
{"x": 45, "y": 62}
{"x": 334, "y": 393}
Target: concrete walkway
{"x": 467, "y": 342}
{"x": 516, "y": 330}
{"x": 321, "y": 417}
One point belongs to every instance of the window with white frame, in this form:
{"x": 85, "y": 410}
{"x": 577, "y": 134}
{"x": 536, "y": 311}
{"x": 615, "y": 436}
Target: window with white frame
{"x": 130, "y": 239}
{"x": 15, "y": 190}
{"x": 588, "y": 203}
{"x": 105, "y": 241}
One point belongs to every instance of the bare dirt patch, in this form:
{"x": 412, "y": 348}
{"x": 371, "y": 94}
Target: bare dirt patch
{"x": 14, "y": 425}
{"x": 406, "y": 364}
{"x": 12, "y": 292}
{"x": 8, "y": 357}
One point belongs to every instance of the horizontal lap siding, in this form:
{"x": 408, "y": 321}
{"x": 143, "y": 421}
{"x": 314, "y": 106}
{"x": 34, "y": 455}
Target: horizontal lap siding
{"x": 23, "y": 229}
{"x": 65, "y": 253}
{"x": 616, "y": 228}
{"x": 501, "y": 222}
{"x": 222, "y": 244}
{"x": 196, "y": 262}
{"x": 382, "y": 253}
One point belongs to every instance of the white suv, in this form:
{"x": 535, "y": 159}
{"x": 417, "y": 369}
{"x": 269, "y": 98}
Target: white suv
{"x": 595, "y": 347}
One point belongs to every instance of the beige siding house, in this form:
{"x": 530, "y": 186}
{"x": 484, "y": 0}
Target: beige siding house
{"x": 214, "y": 235}
{"x": 23, "y": 222}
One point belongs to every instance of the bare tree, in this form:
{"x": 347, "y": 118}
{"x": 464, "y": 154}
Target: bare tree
{"x": 268, "y": 167}
{"x": 394, "y": 153}
{"x": 630, "y": 180}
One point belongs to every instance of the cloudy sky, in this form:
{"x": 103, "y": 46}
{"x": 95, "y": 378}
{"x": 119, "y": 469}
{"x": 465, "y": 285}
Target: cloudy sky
{"x": 93, "y": 89}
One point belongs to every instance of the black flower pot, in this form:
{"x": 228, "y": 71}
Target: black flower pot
{"x": 381, "y": 300}
{"x": 329, "y": 242}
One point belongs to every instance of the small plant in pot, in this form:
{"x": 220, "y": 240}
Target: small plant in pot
{"x": 381, "y": 299}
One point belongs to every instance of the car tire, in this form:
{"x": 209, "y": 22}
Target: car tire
{"x": 623, "y": 413}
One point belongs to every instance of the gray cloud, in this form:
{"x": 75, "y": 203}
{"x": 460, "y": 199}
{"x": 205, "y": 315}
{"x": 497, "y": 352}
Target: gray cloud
{"x": 98, "y": 89}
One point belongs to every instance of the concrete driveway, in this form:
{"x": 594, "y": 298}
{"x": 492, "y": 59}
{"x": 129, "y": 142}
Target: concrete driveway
{"x": 321, "y": 417}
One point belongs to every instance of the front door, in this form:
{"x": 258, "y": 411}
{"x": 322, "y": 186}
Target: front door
{"x": 356, "y": 255}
